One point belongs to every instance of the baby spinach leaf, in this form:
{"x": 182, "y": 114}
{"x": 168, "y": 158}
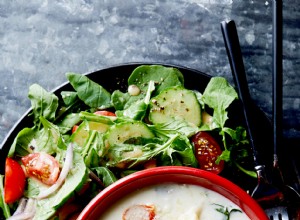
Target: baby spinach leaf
{"x": 163, "y": 77}
{"x": 43, "y": 103}
{"x": 49, "y": 139}
{"x": 119, "y": 99}
{"x": 69, "y": 97}
{"x": 91, "y": 93}
{"x": 138, "y": 109}
{"x": 22, "y": 142}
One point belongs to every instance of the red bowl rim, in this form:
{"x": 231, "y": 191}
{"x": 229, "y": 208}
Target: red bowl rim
{"x": 188, "y": 175}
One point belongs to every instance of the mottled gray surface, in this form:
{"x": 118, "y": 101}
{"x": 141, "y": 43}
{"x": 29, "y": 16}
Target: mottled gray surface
{"x": 41, "y": 40}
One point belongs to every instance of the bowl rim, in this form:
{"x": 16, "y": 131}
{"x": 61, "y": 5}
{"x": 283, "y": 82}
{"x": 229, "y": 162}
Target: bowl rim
{"x": 188, "y": 172}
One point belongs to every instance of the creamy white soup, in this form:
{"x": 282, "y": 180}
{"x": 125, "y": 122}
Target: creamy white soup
{"x": 173, "y": 202}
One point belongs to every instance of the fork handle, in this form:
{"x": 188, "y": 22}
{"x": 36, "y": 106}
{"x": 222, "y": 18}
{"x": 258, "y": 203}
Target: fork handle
{"x": 238, "y": 70}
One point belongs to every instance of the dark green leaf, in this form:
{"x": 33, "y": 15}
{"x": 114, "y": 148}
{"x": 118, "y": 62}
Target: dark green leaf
{"x": 91, "y": 93}
{"x": 105, "y": 175}
{"x": 49, "y": 139}
{"x": 163, "y": 77}
{"x": 93, "y": 149}
{"x": 3, "y": 205}
{"x": 218, "y": 95}
{"x": 67, "y": 123}
{"x": 43, "y": 103}
{"x": 119, "y": 99}
{"x": 174, "y": 126}
{"x": 69, "y": 98}
{"x": 22, "y": 142}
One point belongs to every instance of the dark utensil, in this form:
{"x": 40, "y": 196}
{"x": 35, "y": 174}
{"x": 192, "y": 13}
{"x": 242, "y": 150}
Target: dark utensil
{"x": 291, "y": 195}
{"x": 277, "y": 88}
{"x": 264, "y": 191}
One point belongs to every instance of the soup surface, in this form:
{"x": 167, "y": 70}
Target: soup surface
{"x": 176, "y": 202}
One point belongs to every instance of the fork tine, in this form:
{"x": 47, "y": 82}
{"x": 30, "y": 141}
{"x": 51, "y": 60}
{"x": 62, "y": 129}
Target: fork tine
{"x": 277, "y": 213}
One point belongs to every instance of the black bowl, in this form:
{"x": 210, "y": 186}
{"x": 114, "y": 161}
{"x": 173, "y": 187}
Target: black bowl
{"x": 115, "y": 77}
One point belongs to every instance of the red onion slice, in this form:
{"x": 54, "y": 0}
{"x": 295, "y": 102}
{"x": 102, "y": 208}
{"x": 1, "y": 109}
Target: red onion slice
{"x": 21, "y": 206}
{"x": 63, "y": 174}
{"x": 25, "y": 210}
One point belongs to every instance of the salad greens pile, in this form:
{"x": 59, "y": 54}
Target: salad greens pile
{"x": 109, "y": 147}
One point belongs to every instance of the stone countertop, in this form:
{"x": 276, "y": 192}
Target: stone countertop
{"x": 41, "y": 41}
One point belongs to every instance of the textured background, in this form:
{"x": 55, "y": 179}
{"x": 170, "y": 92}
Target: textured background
{"x": 41, "y": 40}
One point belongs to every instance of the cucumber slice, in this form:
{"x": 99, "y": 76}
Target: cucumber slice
{"x": 82, "y": 132}
{"x": 119, "y": 133}
{"x": 175, "y": 102}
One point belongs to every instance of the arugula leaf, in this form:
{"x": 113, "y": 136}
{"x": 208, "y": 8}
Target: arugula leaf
{"x": 43, "y": 103}
{"x": 218, "y": 95}
{"x": 134, "y": 154}
{"x": 105, "y": 175}
{"x": 93, "y": 149}
{"x": 91, "y": 93}
{"x": 174, "y": 126}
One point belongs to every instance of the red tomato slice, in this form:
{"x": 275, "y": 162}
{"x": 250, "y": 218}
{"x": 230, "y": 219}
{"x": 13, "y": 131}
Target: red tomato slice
{"x": 14, "y": 182}
{"x": 207, "y": 151}
{"x": 105, "y": 113}
{"x": 41, "y": 166}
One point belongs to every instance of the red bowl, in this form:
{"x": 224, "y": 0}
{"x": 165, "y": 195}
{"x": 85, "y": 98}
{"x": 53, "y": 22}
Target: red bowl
{"x": 173, "y": 174}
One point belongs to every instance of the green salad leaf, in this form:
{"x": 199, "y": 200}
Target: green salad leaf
{"x": 164, "y": 77}
{"x": 73, "y": 183}
{"x": 106, "y": 175}
{"x": 218, "y": 95}
{"x": 91, "y": 93}
{"x": 43, "y": 103}
{"x": 5, "y": 208}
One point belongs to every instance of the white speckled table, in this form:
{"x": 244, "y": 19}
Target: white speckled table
{"x": 42, "y": 40}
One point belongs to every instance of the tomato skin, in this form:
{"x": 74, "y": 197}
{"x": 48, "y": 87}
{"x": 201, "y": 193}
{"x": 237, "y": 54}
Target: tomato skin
{"x": 41, "y": 166}
{"x": 207, "y": 151}
{"x": 74, "y": 128}
{"x": 105, "y": 113}
{"x": 14, "y": 182}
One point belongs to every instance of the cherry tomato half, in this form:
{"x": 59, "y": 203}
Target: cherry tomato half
{"x": 14, "y": 182}
{"x": 207, "y": 151}
{"x": 105, "y": 113}
{"x": 41, "y": 166}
